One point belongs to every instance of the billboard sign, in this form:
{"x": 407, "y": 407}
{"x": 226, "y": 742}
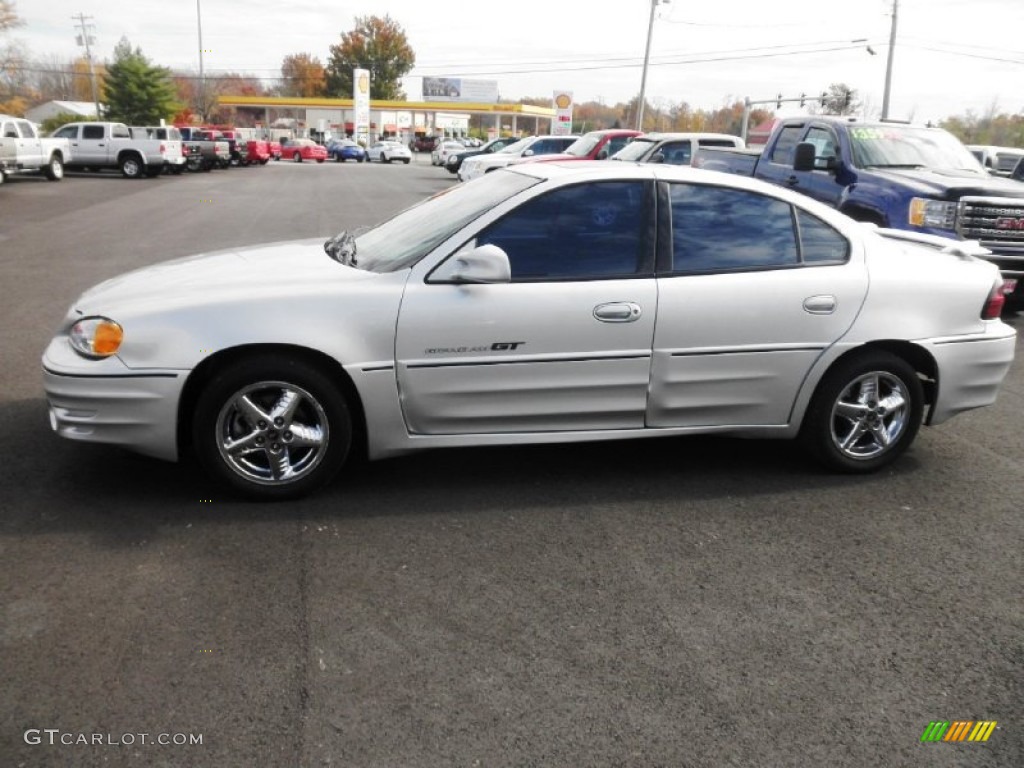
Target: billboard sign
{"x": 460, "y": 89}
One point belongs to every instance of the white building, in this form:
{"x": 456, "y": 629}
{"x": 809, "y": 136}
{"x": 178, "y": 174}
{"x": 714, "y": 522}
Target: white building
{"x": 85, "y": 110}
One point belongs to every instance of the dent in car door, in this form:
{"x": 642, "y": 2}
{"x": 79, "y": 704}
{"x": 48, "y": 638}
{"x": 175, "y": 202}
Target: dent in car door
{"x": 565, "y": 346}
{"x": 748, "y": 308}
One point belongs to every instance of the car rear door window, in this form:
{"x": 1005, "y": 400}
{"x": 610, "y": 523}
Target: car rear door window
{"x": 580, "y": 232}
{"x": 819, "y": 243}
{"x": 92, "y": 131}
{"x": 720, "y": 228}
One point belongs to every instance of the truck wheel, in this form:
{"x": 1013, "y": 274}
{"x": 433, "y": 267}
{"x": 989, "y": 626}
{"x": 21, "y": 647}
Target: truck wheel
{"x": 272, "y": 427}
{"x": 131, "y": 167}
{"x": 865, "y": 412}
{"x": 55, "y": 169}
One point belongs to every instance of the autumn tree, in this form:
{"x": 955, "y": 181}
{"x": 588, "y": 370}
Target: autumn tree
{"x": 303, "y": 75}
{"x": 137, "y": 92}
{"x": 378, "y": 45}
{"x": 8, "y": 15}
{"x": 13, "y": 81}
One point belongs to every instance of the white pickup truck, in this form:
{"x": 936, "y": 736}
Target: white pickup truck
{"x": 96, "y": 146}
{"x": 22, "y": 150}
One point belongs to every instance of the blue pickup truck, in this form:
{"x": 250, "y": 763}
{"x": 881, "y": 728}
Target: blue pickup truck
{"x": 894, "y": 175}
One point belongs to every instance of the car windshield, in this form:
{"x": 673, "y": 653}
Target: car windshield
{"x": 512, "y": 148}
{"x": 583, "y": 145}
{"x": 896, "y": 146}
{"x": 635, "y": 150}
{"x": 402, "y": 241}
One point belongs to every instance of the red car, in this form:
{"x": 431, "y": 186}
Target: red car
{"x": 298, "y": 150}
{"x": 596, "y": 145}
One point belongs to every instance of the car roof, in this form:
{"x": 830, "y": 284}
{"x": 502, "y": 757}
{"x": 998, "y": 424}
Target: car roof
{"x": 656, "y": 136}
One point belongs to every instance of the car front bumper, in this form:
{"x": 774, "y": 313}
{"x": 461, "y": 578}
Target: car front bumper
{"x": 104, "y": 401}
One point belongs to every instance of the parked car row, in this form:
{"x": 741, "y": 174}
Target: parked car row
{"x": 617, "y": 144}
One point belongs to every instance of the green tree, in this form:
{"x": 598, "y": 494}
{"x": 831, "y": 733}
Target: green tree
{"x": 377, "y": 44}
{"x": 137, "y": 92}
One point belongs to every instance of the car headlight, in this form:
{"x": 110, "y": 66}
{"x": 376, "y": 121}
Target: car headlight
{"x": 938, "y": 214}
{"x": 96, "y": 337}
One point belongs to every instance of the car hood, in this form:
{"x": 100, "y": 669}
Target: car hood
{"x": 279, "y": 270}
{"x": 949, "y": 184}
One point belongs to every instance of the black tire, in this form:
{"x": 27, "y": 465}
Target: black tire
{"x": 297, "y": 157}
{"x": 406, "y": 161}
{"x": 360, "y": 159}
{"x": 865, "y": 412}
{"x": 221, "y": 418}
{"x": 339, "y": 159}
{"x": 132, "y": 167}
{"x": 55, "y": 168}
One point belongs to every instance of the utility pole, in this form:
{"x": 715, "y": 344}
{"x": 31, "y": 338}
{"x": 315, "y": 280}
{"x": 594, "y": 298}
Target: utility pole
{"x": 85, "y": 39}
{"x": 888, "y": 65}
{"x": 202, "y": 77}
{"x": 647, "y": 58}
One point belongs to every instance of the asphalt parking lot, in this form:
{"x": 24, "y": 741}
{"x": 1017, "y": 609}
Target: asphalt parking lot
{"x": 677, "y": 602}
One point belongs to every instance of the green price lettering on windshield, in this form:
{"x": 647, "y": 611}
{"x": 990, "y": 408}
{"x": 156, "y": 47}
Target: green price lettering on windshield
{"x": 866, "y": 134}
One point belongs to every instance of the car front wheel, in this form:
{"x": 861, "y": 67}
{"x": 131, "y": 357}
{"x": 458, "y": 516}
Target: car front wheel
{"x": 272, "y": 428}
{"x": 865, "y": 413}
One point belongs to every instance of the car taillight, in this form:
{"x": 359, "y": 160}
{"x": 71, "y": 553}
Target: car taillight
{"x": 995, "y": 301}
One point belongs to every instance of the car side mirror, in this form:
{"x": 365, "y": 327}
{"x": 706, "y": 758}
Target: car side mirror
{"x": 485, "y": 264}
{"x": 527, "y": 153}
{"x": 602, "y": 155}
{"x": 803, "y": 156}
{"x": 657, "y": 157}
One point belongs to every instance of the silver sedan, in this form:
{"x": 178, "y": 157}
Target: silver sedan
{"x": 549, "y": 303}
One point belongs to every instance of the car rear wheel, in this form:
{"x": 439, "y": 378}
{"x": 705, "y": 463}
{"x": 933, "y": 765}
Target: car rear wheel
{"x": 272, "y": 428}
{"x": 55, "y": 169}
{"x": 865, "y": 413}
{"x": 131, "y": 167}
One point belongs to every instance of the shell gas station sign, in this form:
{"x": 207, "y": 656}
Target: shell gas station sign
{"x": 562, "y": 125}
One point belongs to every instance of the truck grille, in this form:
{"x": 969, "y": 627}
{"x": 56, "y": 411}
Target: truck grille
{"x": 997, "y": 222}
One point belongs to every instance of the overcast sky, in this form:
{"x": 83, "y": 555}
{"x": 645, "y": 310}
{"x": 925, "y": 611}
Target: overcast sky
{"x": 951, "y": 55}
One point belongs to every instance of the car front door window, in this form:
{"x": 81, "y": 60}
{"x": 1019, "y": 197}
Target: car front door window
{"x": 579, "y": 232}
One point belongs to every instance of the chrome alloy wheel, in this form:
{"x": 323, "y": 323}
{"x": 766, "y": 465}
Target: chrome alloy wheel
{"x": 272, "y": 433}
{"x": 870, "y": 415}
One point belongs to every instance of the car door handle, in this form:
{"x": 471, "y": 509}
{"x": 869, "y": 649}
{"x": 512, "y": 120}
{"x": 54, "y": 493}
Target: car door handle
{"x": 820, "y": 305}
{"x": 793, "y": 180}
{"x": 618, "y": 312}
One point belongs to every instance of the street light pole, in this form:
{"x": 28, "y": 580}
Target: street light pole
{"x": 647, "y": 58}
{"x": 85, "y": 40}
{"x": 202, "y": 78}
{"x": 888, "y": 65}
